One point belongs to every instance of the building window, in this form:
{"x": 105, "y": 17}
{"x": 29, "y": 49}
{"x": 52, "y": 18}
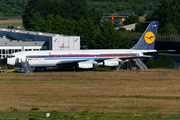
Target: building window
{"x": 9, "y": 51}
{"x": 3, "y": 51}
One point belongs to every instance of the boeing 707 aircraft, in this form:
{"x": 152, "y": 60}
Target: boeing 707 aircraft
{"x": 88, "y": 58}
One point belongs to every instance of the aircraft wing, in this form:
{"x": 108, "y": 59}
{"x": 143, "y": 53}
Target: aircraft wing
{"x": 145, "y": 56}
{"x": 99, "y": 60}
{"x": 69, "y": 61}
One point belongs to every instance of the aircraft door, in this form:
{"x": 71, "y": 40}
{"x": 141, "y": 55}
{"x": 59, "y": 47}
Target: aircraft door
{"x": 17, "y": 63}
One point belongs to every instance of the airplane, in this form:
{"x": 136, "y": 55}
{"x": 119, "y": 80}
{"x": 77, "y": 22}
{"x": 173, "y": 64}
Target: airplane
{"x": 88, "y": 58}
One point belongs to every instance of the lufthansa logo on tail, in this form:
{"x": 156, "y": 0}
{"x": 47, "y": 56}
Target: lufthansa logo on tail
{"x": 149, "y": 37}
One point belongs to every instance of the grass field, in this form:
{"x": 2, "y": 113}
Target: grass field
{"x": 125, "y": 94}
{"x": 11, "y": 22}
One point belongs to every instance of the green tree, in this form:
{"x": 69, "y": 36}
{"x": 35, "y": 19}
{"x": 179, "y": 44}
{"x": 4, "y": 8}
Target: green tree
{"x": 70, "y": 26}
{"x": 131, "y": 19}
{"x": 140, "y": 12}
{"x": 43, "y": 7}
{"x": 107, "y": 37}
{"x": 67, "y": 9}
{"x": 74, "y": 9}
{"x": 50, "y": 23}
{"x": 16, "y": 7}
{"x": 37, "y": 23}
{"x": 86, "y": 29}
{"x": 126, "y": 43}
{"x": 169, "y": 29}
{"x": 110, "y": 35}
{"x": 167, "y": 14}
{"x": 12, "y": 7}
{"x": 72, "y": 18}
{"x": 95, "y": 15}
{"x": 58, "y": 25}
{"x": 141, "y": 27}
{"x": 96, "y": 42}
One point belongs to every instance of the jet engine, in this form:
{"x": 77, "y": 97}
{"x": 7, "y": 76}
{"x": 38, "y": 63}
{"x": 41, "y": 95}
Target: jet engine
{"x": 113, "y": 62}
{"x": 87, "y": 64}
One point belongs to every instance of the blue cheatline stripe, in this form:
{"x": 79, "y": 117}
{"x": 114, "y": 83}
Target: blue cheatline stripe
{"x": 77, "y": 58}
{"x": 70, "y": 57}
{"x": 101, "y": 55}
{"x": 74, "y": 58}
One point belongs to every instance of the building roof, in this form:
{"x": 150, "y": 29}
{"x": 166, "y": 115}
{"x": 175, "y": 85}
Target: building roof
{"x": 33, "y": 33}
{"x": 39, "y": 43}
{"x": 4, "y": 39}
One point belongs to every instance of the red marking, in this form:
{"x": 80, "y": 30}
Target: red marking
{"x": 64, "y": 46}
{"x": 116, "y": 53}
{"x": 69, "y": 54}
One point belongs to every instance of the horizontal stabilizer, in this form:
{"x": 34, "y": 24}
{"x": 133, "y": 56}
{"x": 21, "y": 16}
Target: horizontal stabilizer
{"x": 155, "y": 52}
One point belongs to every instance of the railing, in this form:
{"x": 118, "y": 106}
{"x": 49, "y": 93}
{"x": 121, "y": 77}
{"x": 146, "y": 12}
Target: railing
{"x": 144, "y": 66}
{"x": 28, "y": 66}
{"x": 23, "y": 66}
{"x": 140, "y": 64}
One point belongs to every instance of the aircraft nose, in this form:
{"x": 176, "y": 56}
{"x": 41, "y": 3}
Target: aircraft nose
{"x": 4, "y": 60}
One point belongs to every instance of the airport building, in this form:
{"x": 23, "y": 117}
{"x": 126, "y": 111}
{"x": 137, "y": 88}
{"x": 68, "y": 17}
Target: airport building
{"x": 17, "y": 40}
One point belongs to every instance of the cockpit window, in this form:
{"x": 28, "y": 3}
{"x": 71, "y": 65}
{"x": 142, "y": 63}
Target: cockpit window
{"x": 10, "y": 56}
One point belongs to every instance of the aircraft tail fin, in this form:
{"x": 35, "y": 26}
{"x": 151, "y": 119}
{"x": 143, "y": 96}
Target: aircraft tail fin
{"x": 147, "y": 40}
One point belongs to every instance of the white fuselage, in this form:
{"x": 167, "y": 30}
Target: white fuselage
{"x": 52, "y": 58}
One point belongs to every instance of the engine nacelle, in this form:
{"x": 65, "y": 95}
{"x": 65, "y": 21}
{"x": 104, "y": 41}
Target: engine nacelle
{"x": 85, "y": 65}
{"x": 113, "y": 62}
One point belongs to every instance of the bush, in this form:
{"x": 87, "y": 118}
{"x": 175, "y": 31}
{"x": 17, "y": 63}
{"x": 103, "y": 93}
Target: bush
{"x": 35, "y": 108}
{"x": 160, "y": 63}
{"x": 32, "y": 118}
{"x": 10, "y": 27}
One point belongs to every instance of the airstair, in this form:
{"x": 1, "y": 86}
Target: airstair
{"x": 140, "y": 64}
{"x": 26, "y": 67}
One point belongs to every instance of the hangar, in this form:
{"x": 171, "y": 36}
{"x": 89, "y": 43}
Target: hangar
{"x": 18, "y": 40}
